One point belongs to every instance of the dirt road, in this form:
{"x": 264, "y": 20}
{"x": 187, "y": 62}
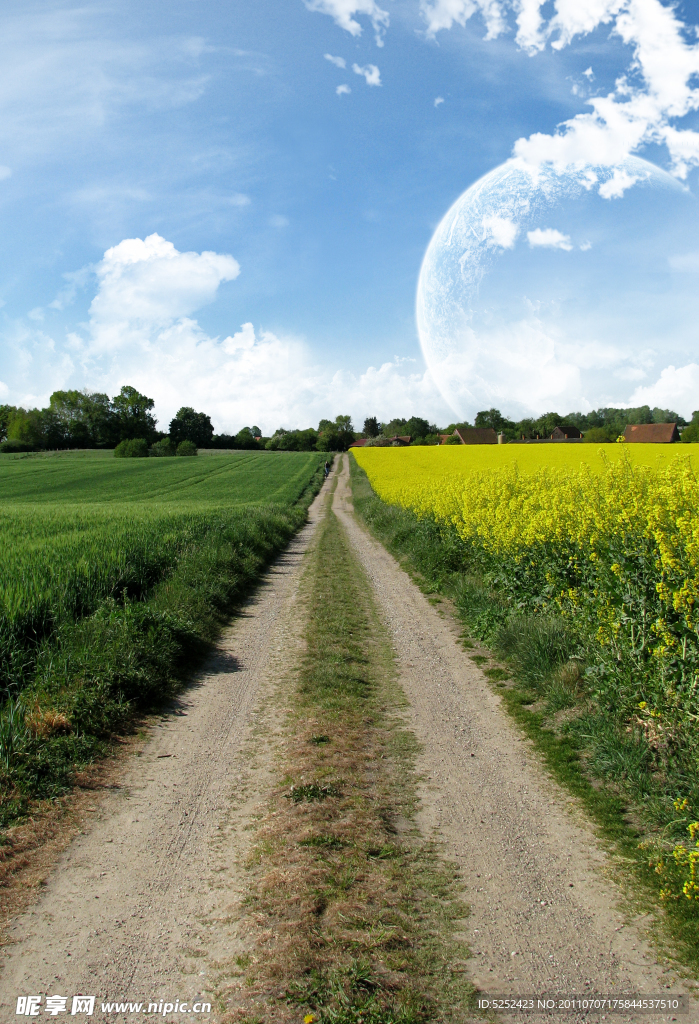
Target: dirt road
{"x": 544, "y": 915}
{"x": 135, "y": 908}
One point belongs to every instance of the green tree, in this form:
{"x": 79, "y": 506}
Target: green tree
{"x": 132, "y": 448}
{"x": 187, "y": 448}
{"x": 26, "y": 425}
{"x": 6, "y": 412}
{"x": 133, "y": 411}
{"x": 335, "y": 436}
{"x": 371, "y": 427}
{"x": 189, "y": 425}
{"x": 690, "y": 434}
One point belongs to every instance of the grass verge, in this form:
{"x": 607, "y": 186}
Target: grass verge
{"x": 537, "y": 663}
{"x": 90, "y": 676}
{"x": 355, "y": 915}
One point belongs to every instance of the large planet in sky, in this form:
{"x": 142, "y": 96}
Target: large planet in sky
{"x": 562, "y": 291}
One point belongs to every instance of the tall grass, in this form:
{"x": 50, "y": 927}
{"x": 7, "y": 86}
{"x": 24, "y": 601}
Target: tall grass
{"x": 106, "y": 607}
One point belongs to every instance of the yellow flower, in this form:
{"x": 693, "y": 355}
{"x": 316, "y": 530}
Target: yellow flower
{"x": 308, "y": 1019}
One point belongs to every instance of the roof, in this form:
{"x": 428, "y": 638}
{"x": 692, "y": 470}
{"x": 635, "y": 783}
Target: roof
{"x": 359, "y": 443}
{"x": 476, "y": 435}
{"x": 652, "y": 433}
{"x": 564, "y": 431}
{"x": 400, "y": 438}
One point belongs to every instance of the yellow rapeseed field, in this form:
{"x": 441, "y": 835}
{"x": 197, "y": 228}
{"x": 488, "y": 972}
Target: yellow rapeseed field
{"x": 608, "y": 536}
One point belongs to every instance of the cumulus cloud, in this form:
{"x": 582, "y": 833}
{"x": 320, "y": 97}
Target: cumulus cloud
{"x": 645, "y": 104}
{"x": 549, "y": 238}
{"x": 442, "y": 14}
{"x": 343, "y": 90}
{"x": 339, "y": 62}
{"x": 147, "y": 281}
{"x": 371, "y": 73}
{"x": 438, "y": 100}
{"x": 677, "y": 388}
{"x": 343, "y": 13}
{"x": 617, "y": 184}
{"x": 500, "y": 231}
{"x": 141, "y": 332}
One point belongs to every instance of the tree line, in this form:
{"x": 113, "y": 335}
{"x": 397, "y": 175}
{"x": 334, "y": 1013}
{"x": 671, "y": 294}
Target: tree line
{"x": 83, "y": 419}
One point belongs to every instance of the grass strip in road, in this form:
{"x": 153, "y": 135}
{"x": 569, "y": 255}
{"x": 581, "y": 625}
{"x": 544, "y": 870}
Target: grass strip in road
{"x": 355, "y": 914}
{"x": 534, "y": 667}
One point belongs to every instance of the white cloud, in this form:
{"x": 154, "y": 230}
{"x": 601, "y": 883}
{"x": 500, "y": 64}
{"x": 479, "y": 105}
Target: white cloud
{"x": 5, "y": 172}
{"x": 442, "y": 14}
{"x": 343, "y": 90}
{"x": 549, "y": 238}
{"x": 278, "y": 220}
{"x": 339, "y": 62}
{"x": 586, "y": 246}
{"x": 617, "y": 184}
{"x": 661, "y": 86}
{"x": 36, "y": 314}
{"x": 500, "y": 231}
{"x": 343, "y": 13}
{"x": 238, "y": 199}
{"x": 371, "y": 73}
{"x": 141, "y": 332}
{"x": 438, "y": 100}
{"x": 688, "y": 262}
{"x": 676, "y": 388}
{"x": 148, "y": 282}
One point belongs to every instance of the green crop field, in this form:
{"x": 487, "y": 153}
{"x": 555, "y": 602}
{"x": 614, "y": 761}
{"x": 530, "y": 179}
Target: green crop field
{"x": 114, "y": 575}
{"x": 97, "y": 477}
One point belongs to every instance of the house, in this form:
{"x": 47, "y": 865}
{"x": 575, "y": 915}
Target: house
{"x": 359, "y": 443}
{"x": 400, "y": 440}
{"x": 652, "y": 433}
{"x": 565, "y": 432}
{"x": 443, "y": 438}
{"x": 476, "y": 435}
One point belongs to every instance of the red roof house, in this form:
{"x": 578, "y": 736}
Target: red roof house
{"x": 652, "y": 433}
{"x": 476, "y": 435}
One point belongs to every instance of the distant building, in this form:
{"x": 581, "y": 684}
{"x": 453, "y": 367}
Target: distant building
{"x": 359, "y": 443}
{"x": 565, "y": 432}
{"x": 400, "y": 440}
{"x": 652, "y": 433}
{"x": 476, "y": 435}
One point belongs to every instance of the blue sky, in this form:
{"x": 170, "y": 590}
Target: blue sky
{"x": 217, "y": 129}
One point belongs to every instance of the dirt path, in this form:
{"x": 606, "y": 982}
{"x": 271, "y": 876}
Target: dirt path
{"x": 545, "y": 916}
{"x": 136, "y": 906}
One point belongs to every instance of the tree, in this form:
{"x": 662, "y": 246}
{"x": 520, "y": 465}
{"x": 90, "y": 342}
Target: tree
{"x": 81, "y": 419}
{"x": 133, "y": 411}
{"x": 6, "y": 412}
{"x": 189, "y": 425}
{"x": 371, "y": 427}
{"x": 690, "y": 434}
{"x": 26, "y": 425}
{"x": 187, "y": 448}
{"x": 335, "y": 436}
